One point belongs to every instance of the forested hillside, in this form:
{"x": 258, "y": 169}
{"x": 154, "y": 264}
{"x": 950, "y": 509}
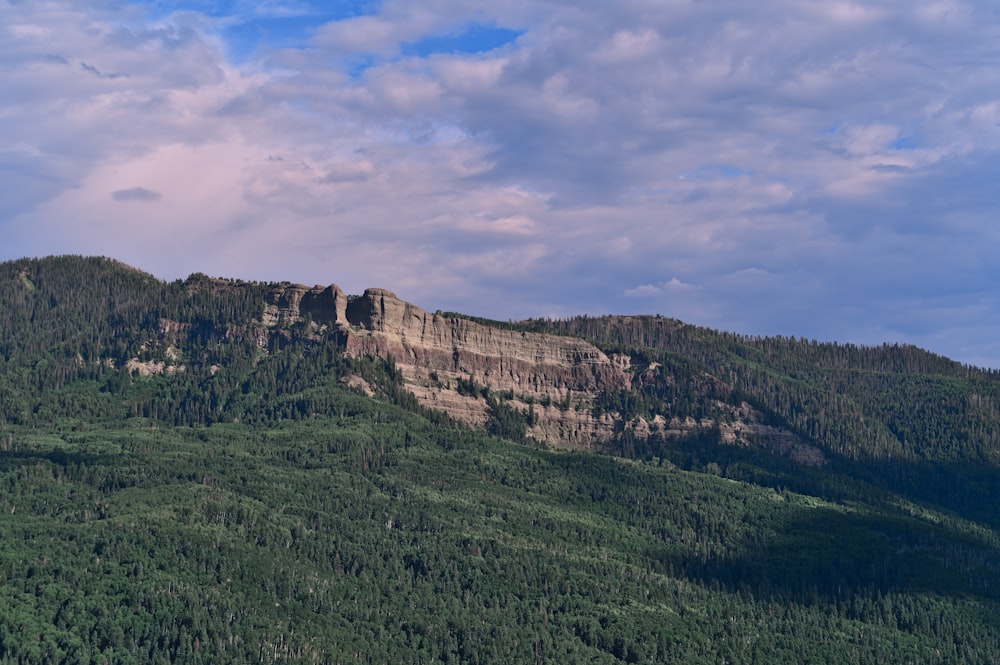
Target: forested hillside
{"x": 896, "y": 415}
{"x": 181, "y": 483}
{"x": 862, "y": 402}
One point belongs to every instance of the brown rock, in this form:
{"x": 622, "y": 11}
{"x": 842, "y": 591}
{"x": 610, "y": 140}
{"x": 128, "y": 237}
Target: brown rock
{"x": 292, "y": 303}
{"x": 556, "y": 377}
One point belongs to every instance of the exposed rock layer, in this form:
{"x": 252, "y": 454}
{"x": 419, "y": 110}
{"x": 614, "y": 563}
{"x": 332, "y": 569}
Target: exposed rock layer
{"x": 556, "y": 377}
{"x": 435, "y": 352}
{"x": 379, "y": 323}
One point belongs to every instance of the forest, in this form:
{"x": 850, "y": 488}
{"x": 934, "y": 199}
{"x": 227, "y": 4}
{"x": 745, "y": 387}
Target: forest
{"x": 243, "y": 503}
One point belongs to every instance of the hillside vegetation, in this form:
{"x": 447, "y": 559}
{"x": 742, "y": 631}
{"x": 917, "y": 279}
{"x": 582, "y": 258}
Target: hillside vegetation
{"x": 181, "y": 483}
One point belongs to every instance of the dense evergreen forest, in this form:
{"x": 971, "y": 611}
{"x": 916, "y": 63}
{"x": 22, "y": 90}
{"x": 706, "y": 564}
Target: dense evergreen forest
{"x": 178, "y": 484}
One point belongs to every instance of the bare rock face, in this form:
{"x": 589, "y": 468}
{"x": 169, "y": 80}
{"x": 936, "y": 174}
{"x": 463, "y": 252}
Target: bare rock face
{"x": 468, "y": 409}
{"x": 379, "y": 323}
{"x": 555, "y": 377}
{"x": 530, "y": 363}
{"x": 435, "y": 352}
{"x": 572, "y": 427}
{"x": 296, "y": 302}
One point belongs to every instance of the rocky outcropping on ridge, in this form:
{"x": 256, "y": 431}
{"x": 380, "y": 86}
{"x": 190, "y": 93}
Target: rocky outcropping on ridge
{"x": 557, "y": 377}
{"x": 435, "y": 352}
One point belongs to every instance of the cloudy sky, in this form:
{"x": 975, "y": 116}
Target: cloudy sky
{"x": 818, "y": 168}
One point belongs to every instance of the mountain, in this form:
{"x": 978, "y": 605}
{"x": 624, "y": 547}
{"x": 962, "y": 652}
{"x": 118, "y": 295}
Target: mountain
{"x": 217, "y": 470}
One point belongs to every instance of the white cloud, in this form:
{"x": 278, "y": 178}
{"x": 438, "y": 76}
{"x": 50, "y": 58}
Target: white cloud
{"x": 630, "y": 45}
{"x": 798, "y": 167}
{"x": 643, "y": 291}
{"x": 673, "y": 285}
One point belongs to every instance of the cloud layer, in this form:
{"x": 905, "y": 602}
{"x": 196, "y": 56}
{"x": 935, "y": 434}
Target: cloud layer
{"x": 822, "y": 169}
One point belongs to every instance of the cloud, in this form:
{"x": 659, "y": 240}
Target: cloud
{"x": 353, "y": 171}
{"x": 643, "y": 290}
{"x": 652, "y": 290}
{"x": 96, "y": 72}
{"x": 135, "y": 194}
{"x": 822, "y": 169}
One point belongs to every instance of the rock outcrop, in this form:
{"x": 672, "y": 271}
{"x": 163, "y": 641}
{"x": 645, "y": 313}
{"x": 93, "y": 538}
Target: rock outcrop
{"x": 446, "y": 360}
{"x": 527, "y": 363}
{"x": 435, "y": 353}
{"x": 324, "y": 306}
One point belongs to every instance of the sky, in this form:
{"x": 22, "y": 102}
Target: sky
{"x": 823, "y": 169}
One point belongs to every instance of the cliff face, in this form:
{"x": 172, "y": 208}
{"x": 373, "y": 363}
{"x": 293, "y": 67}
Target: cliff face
{"x": 444, "y": 361}
{"x": 378, "y": 323}
{"x": 499, "y": 359}
{"x": 292, "y": 303}
{"x": 435, "y": 353}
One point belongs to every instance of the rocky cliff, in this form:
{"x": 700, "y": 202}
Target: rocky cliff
{"x": 451, "y": 363}
{"x": 443, "y": 357}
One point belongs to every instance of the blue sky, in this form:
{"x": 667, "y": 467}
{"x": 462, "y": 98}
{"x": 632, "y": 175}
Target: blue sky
{"x": 824, "y": 169}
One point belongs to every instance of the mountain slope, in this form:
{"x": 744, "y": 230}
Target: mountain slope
{"x": 221, "y": 471}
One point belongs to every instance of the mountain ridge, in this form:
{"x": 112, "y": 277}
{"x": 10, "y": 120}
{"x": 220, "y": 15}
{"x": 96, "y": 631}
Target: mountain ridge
{"x": 213, "y": 470}
{"x": 554, "y": 380}
{"x": 652, "y": 378}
